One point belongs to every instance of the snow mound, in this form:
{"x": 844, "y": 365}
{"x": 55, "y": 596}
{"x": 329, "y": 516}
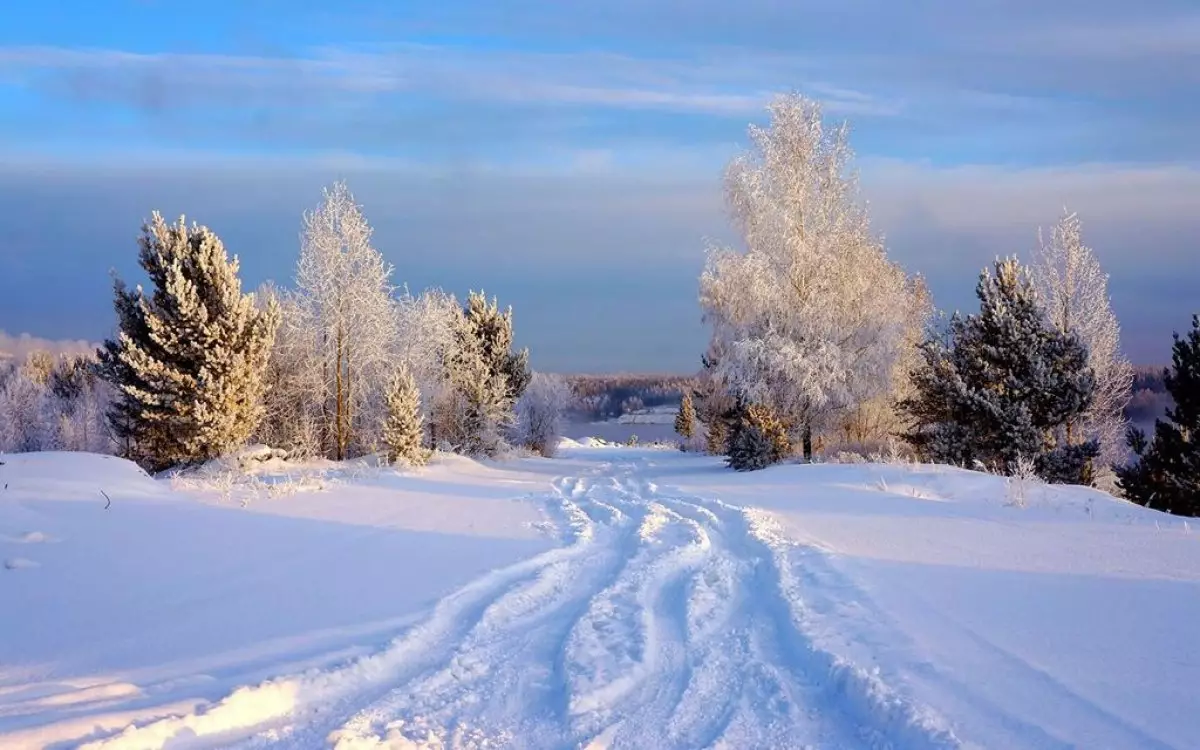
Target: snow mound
{"x": 73, "y": 477}
{"x": 17, "y": 563}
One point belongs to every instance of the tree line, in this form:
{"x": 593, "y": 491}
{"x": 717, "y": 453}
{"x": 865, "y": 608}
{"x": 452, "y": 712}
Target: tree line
{"x": 341, "y": 364}
{"x": 820, "y": 342}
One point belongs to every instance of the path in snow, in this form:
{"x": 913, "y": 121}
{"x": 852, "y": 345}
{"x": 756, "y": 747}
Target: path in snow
{"x": 665, "y": 621}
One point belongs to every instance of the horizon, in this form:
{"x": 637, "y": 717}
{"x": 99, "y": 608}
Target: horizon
{"x": 569, "y": 161}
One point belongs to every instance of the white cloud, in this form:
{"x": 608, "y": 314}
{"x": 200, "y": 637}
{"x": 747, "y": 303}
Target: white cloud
{"x": 584, "y": 79}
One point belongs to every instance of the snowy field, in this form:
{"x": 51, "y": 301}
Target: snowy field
{"x": 613, "y": 597}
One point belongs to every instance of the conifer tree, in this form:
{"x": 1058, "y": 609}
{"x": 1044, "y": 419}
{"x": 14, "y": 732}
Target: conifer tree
{"x": 405, "y": 425}
{"x": 758, "y": 440}
{"x": 188, "y": 360}
{"x": 998, "y": 386}
{"x": 1166, "y": 475}
{"x": 494, "y": 331}
{"x": 484, "y": 378}
{"x": 685, "y": 419}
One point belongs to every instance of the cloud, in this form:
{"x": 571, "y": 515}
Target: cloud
{"x": 161, "y": 81}
{"x": 600, "y": 258}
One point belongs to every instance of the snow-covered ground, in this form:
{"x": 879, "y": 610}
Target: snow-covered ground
{"x": 612, "y": 597}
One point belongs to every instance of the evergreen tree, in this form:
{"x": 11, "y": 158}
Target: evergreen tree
{"x": 494, "y": 331}
{"x": 187, "y": 363}
{"x": 475, "y": 409}
{"x": 1166, "y": 475}
{"x": 715, "y": 407}
{"x": 484, "y": 379}
{"x": 758, "y": 440}
{"x": 405, "y": 425}
{"x": 685, "y": 420}
{"x": 998, "y": 386}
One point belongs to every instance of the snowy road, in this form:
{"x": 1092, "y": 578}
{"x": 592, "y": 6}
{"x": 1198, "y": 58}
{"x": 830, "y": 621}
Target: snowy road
{"x": 663, "y": 621}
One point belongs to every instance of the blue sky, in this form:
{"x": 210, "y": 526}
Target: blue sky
{"x": 567, "y": 156}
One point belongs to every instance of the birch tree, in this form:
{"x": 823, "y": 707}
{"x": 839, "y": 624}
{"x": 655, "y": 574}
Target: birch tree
{"x": 344, "y": 316}
{"x": 539, "y": 412}
{"x": 811, "y": 318}
{"x": 1074, "y": 294}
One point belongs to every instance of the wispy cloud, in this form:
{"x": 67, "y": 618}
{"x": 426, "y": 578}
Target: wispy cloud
{"x": 157, "y": 81}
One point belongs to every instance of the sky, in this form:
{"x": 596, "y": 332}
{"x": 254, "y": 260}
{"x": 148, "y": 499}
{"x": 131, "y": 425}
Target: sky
{"x": 567, "y": 156}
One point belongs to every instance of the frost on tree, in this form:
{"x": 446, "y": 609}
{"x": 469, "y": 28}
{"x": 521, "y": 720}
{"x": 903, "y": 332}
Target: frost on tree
{"x": 484, "y": 377}
{"x": 539, "y": 413}
{"x": 79, "y": 400}
{"x": 998, "y": 386}
{"x": 1074, "y": 294}
{"x": 340, "y": 326}
{"x": 404, "y": 429}
{"x": 25, "y": 418}
{"x": 758, "y": 440}
{"x": 188, "y": 361}
{"x": 50, "y": 403}
{"x": 1166, "y": 473}
{"x": 811, "y": 319}
{"x": 685, "y": 418}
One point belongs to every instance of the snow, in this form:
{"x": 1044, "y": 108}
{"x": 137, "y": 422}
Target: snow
{"x": 610, "y": 598}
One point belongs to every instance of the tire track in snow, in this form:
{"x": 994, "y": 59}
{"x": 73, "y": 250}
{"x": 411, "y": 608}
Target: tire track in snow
{"x": 666, "y": 621}
{"x": 300, "y": 710}
{"x": 870, "y": 712}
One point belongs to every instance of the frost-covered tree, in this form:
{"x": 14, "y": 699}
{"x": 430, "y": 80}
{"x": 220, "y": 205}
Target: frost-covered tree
{"x": 494, "y": 331}
{"x": 715, "y": 407}
{"x": 343, "y": 320}
{"x": 539, "y": 413}
{"x": 39, "y": 366}
{"x": 483, "y": 379}
{"x": 1074, "y": 294}
{"x": 188, "y": 360}
{"x": 79, "y": 401}
{"x": 475, "y": 408}
{"x": 426, "y": 326}
{"x": 1166, "y": 474}
{"x": 685, "y": 418}
{"x": 999, "y": 385}
{"x": 758, "y": 440}
{"x": 294, "y": 419}
{"x": 404, "y": 429}
{"x": 26, "y": 421}
{"x": 812, "y": 319}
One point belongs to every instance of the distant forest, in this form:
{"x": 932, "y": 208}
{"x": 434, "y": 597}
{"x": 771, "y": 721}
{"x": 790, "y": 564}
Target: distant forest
{"x": 1150, "y": 398}
{"x": 600, "y": 397}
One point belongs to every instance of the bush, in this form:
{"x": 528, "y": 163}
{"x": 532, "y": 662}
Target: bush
{"x": 759, "y": 440}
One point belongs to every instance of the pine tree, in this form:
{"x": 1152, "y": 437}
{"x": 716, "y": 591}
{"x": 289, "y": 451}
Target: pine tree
{"x": 187, "y": 364}
{"x": 758, "y": 440}
{"x": 998, "y": 386}
{"x": 484, "y": 378}
{"x": 1166, "y": 475}
{"x": 494, "y": 331}
{"x": 685, "y": 420}
{"x": 404, "y": 428}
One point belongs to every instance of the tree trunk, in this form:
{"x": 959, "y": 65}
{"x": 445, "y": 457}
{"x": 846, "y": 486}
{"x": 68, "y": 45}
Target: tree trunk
{"x": 807, "y": 441}
{"x": 339, "y": 452}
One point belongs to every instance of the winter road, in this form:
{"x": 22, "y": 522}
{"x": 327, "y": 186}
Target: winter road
{"x": 663, "y": 621}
